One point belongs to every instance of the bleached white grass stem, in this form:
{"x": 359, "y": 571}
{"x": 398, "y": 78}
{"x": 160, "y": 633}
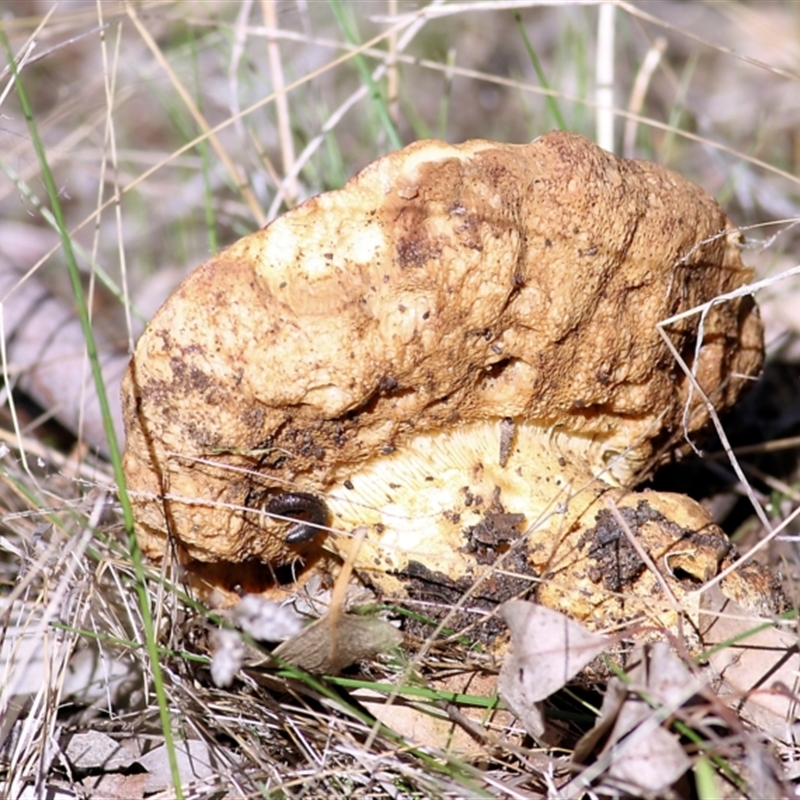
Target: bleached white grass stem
{"x": 22, "y": 59}
{"x": 604, "y": 90}
{"x": 240, "y": 31}
{"x": 264, "y": 101}
{"x": 639, "y": 91}
{"x": 288, "y": 188}
{"x": 110, "y": 85}
{"x": 456, "y": 9}
{"x": 73, "y": 549}
{"x": 334, "y": 118}
{"x": 209, "y": 132}
{"x": 447, "y": 68}
{"x": 12, "y": 408}
{"x": 392, "y": 76}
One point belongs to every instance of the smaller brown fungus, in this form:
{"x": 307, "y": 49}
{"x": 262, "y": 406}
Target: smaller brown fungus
{"x": 461, "y": 335}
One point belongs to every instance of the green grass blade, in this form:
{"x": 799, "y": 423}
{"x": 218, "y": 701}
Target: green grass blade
{"x": 551, "y": 101}
{"x": 378, "y": 100}
{"x": 102, "y": 397}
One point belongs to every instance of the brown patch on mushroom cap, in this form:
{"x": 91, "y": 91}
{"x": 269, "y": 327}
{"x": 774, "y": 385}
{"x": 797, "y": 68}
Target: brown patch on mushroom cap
{"x": 474, "y": 321}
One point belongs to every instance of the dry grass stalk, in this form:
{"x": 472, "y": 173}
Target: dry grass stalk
{"x": 121, "y": 125}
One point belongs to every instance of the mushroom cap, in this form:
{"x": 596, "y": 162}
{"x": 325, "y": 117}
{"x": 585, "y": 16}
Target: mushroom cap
{"x": 508, "y": 294}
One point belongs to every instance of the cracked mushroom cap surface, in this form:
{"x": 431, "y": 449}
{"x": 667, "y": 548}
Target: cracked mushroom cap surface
{"x": 462, "y": 339}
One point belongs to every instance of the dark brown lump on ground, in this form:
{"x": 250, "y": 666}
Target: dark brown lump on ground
{"x": 437, "y": 596}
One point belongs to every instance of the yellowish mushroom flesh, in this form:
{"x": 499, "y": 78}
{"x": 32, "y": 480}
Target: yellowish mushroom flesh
{"x": 457, "y": 323}
{"x": 420, "y": 509}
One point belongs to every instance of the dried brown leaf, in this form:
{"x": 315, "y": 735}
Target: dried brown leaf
{"x": 335, "y": 642}
{"x": 651, "y": 761}
{"x": 638, "y": 751}
{"x": 760, "y": 673}
{"x": 548, "y": 650}
{"x": 97, "y": 751}
{"x": 196, "y": 762}
{"x": 435, "y": 727}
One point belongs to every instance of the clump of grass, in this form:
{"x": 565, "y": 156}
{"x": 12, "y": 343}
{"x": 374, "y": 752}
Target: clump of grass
{"x": 136, "y": 140}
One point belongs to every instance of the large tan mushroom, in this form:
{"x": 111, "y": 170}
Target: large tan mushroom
{"x": 457, "y": 348}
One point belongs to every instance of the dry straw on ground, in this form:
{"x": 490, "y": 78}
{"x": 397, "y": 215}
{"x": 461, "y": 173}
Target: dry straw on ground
{"x": 173, "y": 129}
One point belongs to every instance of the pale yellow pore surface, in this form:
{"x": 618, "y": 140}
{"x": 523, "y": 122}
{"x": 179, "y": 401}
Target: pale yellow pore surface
{"x": 423, "y": 505}
{"x": 443, "y": 289}
{"x": 419, "y": 501}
